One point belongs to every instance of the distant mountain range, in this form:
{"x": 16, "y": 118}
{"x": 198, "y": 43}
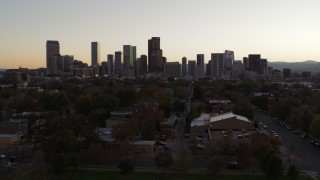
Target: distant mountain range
{"x": 308, "y": 65}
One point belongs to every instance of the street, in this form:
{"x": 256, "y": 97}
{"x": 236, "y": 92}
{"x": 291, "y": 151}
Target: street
{"x": 305, "y": 155}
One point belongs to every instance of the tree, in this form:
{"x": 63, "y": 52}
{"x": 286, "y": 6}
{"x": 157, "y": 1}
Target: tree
{"x": 149, "y": 122}
{"x": 59, "y": 150}
{"x": 84, "y": 104}
{"x": 198, "y": 93}
{"x": 126, "y": 97}
{"x": 163, "y": 160}
{"x": 315, "y": 127}
{"x": 293, "y": 172}
{"x": 123, "y": 133}
{"x": 215, "y": 165}
{"x": 306, "y": 120}
{"x": 183, "y": 160}
{"x": 243, "y": 155}
{"x": 96, "y": 153}
{"x": 60, "y": 164}
{"x": 126, "y": 166}
{"x": 54, "y": 102}
{"x": 271, "y": 164}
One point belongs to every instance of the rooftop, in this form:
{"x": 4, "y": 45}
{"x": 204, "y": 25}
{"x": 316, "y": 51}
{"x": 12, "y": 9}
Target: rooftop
{"x": 206, "y": 118}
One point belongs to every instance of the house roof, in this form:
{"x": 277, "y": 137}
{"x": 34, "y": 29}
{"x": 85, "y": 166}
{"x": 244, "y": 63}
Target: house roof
{"x": 206, "y": 118}
{"x": 7, "y": 135}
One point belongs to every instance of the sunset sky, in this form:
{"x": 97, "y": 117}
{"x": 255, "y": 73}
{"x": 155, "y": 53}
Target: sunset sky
{"x": 280, "y": 30}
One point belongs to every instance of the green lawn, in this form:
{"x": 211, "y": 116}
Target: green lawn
{"x": 139, "y": 175}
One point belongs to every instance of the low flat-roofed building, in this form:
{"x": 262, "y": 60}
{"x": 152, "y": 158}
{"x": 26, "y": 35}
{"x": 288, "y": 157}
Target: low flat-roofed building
{"x": 7, "y": 141}
{"x": 223, "y": 127}
{"x": 119, "y": 116}
{"x": 143, "y": 147}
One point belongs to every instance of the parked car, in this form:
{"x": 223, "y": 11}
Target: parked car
{"x": 159, "y": 143}
{"x": 2, "y": 156}
{"x": 297, "y": 132}
{"x": 232, "y": 165}
{"x": 163, "y": 137}
{"x": 200, "y": 146}
{"x": 305, "y": 136}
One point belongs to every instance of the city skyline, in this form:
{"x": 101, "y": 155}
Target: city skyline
{"x": 281, "y": 31}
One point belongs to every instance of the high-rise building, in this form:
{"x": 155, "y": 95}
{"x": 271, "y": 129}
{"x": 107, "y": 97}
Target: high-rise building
{"x": 228, "y": 64}
{"x": 95, "y": 54}
{"x": 118, "y": 63}
{"x": 217, "y": 64}
{"x": 104, "y": 68}
{"x": 110, "y": 64}
{"x": 143, "y": 64}
{"x": 228, "y": 60}
{"x": 192, "y": 68}
{"x": 200, "y": 65}
{"x": 245, "y": 64}
{"x": 60, "y": 65}
{"x": 129, "y": 60}
{"x": 200, "y": 60}
{"x": 155, "y": 61}
{"x": 52, "y": 49}
{"x": 184, "y": 66}
{"x": 286, "y": 73}
{"x": 238, "y": 70}
{"x": 172, "y": 69}
{"x": 134, "y": 56}
{"x": 209, "y": 68}
{"x": 254, "y": 63}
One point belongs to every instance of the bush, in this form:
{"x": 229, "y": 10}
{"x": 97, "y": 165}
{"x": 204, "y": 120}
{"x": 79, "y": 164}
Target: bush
{"x": 126, "y": 167}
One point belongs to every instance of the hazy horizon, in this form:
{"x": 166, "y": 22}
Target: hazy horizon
{"x": 278, "y": 30}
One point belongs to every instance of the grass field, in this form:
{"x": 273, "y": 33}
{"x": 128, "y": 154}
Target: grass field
{"x": 103, "y": 174}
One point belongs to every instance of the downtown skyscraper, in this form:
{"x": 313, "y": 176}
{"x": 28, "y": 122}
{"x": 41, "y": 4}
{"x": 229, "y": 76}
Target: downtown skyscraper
{"x": 95, "y": 54}
{"x": 155, "y": 60}
{"x": 129, "y": 60}
{"x": 52, "y": 49}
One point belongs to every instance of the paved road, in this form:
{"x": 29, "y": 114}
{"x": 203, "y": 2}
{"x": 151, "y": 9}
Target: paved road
{"x": 305, "y": 155}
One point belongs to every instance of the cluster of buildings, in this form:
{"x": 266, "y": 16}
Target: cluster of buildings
{"x": 127, "y": 63}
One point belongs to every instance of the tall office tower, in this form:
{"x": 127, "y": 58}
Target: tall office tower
{"x": 155, "y": 61}
{"x": 228, "y": 64}
{"x": 217, "y": 65}
{"x": 134, "y": 56}
{"x": 118, "y": 63}
{"x": 68, "y": 64}
{"x": 200, "y": 60}
{"x": 192, "y": 68}
{"x": 228, "y": 60}
{"x": 286, "y": 73}
{"x": 138, "y": 67}
{"x": 263, "y": 64}
{"x": 104, "y": 68}
{"x": 184, "y": 66}
{"x": 95, "y": 54}
{"x": 200, "y": 65}
{"x": 127, "y": 59}
{"x": 143, "y": 64}
{"x": 172, "y": 69}
{"x": 127, "y": 56}
{"x": 52, "y": 49}
{"x": 110, "y": 64}
{"x": 209, "y": 68}
{"x": 237, "y": 70}
{"x": 245, "y": 64}
{"x": 254, "y": 63}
